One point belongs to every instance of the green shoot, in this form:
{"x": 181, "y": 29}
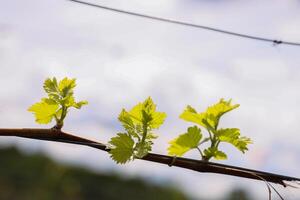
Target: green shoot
{"x": 209, "y": 120}
{"x": 56, "y": 105}
{"x": 138, "y": 123}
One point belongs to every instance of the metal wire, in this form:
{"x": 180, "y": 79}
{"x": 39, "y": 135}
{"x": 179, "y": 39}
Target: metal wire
{"x": 172, "y": 21}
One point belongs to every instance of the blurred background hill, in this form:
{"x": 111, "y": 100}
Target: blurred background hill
{"x": 37, "y": 177}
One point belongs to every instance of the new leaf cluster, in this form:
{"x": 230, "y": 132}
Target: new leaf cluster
{"x": 139, "y": 124}
{"x": 137, "y": 139}
{"x": 60, "y": 97}
{"x": 209, "y": 120}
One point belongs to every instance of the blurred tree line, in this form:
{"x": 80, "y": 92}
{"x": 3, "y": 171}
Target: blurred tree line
{"x": 36, "y": 177}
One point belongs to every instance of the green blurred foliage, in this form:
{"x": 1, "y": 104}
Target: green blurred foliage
{"x": 238, "y": 194}
{"x": 36, "y": 177}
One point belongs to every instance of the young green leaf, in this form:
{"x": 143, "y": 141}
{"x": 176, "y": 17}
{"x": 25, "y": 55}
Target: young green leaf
{"x": 210, "y": 121}
{"x": 191, "y": 115}
{"x": 79, "y": 104}
{"x": 232, "y": 136}
{"x": 214, "y": 152}
{"x": 50, "y": 86}
{"x": 135, "y": 113}
{"x": 142, "y": 148}
{"x": 127, "y": 122}
{"x": 60, "y": 99}
{"x": 185, "y": 142}
{"x": 122, "y": 150}
{"x": 157, "y": 119}
{"x": 44, "y": 111}
{"x": 139, "y": 123}
{"x": 210, "y": 118}
{"x": 66, "y": 86}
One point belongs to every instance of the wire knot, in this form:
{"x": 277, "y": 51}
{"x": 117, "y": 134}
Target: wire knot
{"x": 276, "y": 42}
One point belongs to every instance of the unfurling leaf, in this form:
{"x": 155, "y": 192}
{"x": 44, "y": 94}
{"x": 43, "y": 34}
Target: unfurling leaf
{"x": 66, "y": 86}
{"x": 122, "y": 150}
{"x": 127, "y": 122}
{"x": 190, "y": 115}
{"x": 44, "y": 111}
{"x": 139, "y": 123}
{"x": 145, "y": 113}
{"x": 214, "y": 152}
{"x": 50, "y": 86}
{"x": 60, "y": 99}
{"x": 210, "y": 118}
{"x": 79, "y": 104}
{"x": 142, "y": 149}
{"x": 158, "y": 119}
{"x": 185, "y": 142}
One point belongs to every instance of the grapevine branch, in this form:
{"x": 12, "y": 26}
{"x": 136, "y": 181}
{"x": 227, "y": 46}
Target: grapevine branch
{"x": 56, "y": 135}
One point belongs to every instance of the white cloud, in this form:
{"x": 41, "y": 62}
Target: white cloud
{"x": 119, "y": 60}
{"x": 262, "y": 72}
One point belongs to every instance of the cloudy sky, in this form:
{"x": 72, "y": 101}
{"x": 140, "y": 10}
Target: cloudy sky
{"x": 119, "y": 60}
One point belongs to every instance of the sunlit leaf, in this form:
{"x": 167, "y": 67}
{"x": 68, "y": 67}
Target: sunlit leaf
{"x": 158, "y": 119}
{"x": 50, "y": 85}
{"x": 51, "y": 88}
{"x": 66, "y": 86}
{"x": 190, "y": 115}
{"x": 210, "y": 118}
{"x": 139, "y": 123}
{"x": 127, "y": 123}
{"x": 185, "y": 142}
{"x": 215, "y": 153}
{"x": 142, "y": 149}
{"x": 79, "y": 104}
{"x": 122, "y": 150}
{"x": 143, "y": 114}
{"x": 214, "y": 112}
{"x": 136, "y": 113}
{"x": 60, "y": 99}
{"x": 44, "y": 111}
{"x": 232, "y": 136}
